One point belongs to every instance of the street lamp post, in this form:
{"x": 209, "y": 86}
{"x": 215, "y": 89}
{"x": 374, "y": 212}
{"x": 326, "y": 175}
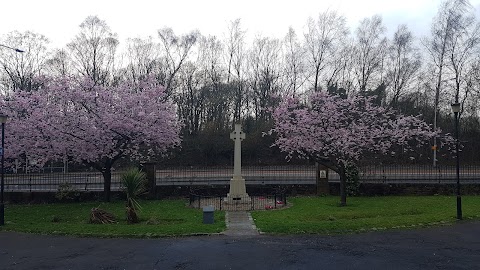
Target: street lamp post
{"x": 456, "y": 111}
{"x": 3, "y": 120}
{"x": 15, "y": 49}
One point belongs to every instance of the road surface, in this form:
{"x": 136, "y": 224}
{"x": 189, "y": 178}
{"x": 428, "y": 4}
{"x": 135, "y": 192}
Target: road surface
{"x": 448, "y": 247}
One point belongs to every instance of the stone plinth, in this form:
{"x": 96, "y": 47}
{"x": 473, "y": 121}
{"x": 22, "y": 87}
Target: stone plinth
{"x": 238, "y": 193}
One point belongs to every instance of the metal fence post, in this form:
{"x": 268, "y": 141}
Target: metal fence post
{"x": 384, "y": 177}
{"x": 149, "y": 169}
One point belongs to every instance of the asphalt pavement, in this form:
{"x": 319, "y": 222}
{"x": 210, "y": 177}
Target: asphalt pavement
{"x": 446, "y": 247}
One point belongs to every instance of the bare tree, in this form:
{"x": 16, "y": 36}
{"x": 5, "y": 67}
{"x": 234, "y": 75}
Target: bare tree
{"x": 446, "y": 23}
{"x": 219, "y": 95}
{"x": 60, "y": 63}
{"x": 21, "y": 69}
{"x": 264, "y": 75}
{"x": 472, "y": 88}
{"x": 403, "y": 62}
{"x": 93, "y": 50}
{"x": 294, "y": 64}
{"x": 202, "y": 97}
{"x": 236, "y": 60}
{"x": 176, "y": 50}
{"x": 369, "y": 52}
{"x": 463, "y": 50}
{"x": 321, "y": 41}
{"x": 210, "y": 51}
{"x": 143, "y": 59}
{"x": 189, "y": 98}
{"x": 235, "y": 43}
{"x": 340, "y": 70}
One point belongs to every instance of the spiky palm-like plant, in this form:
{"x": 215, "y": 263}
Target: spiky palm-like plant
{"x": 134, "y": 185}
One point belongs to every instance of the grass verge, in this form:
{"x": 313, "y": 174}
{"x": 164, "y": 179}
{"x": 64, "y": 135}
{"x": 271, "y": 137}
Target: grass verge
{"x": 322, "y": 215}
{"x": 157, "y": 219}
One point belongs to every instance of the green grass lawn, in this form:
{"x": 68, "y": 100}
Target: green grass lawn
{"x": 322, "y": 215}
{"x": 306, "y": 215}
{"x": 158, "y": 218}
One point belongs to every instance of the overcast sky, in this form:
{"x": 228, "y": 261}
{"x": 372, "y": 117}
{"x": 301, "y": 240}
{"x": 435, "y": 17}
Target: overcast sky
{"x": 58, "y": 20}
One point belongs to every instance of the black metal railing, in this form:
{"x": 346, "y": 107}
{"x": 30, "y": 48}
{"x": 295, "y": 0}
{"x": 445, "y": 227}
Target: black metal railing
{"x": 418, "y": 174}
{"x": 254, "y": 175}
{"x": 50, "y": 182}
{"x": 257, "y": 202}
{"x": 306, "y": 175}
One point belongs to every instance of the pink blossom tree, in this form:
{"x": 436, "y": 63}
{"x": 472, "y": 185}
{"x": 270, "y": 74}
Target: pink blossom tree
{"x": 92, "y": 124}
{"x": 335, "y": 131}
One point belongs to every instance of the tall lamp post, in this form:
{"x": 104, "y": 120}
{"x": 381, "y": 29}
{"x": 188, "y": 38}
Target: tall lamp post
{"x": 3, "y": 120}
{"x": 15, "y": 49}
{"x": 456, "y": 110}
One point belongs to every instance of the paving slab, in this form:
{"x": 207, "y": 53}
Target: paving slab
{"x": 240, "y": 223}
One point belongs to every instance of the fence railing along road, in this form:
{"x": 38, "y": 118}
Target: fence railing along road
{"x": 254, "y": 175}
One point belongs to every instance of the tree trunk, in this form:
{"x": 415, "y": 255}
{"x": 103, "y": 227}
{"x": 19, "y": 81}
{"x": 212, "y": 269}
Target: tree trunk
{"x": 343, "y": 187}
{"x": 107, "y": 182}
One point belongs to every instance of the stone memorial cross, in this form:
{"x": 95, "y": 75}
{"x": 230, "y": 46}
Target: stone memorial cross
{"x": 237, "y": 136}
{"x": 237, "y": 183}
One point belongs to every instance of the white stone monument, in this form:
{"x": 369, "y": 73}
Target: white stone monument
{"x": 238, "y": 191}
